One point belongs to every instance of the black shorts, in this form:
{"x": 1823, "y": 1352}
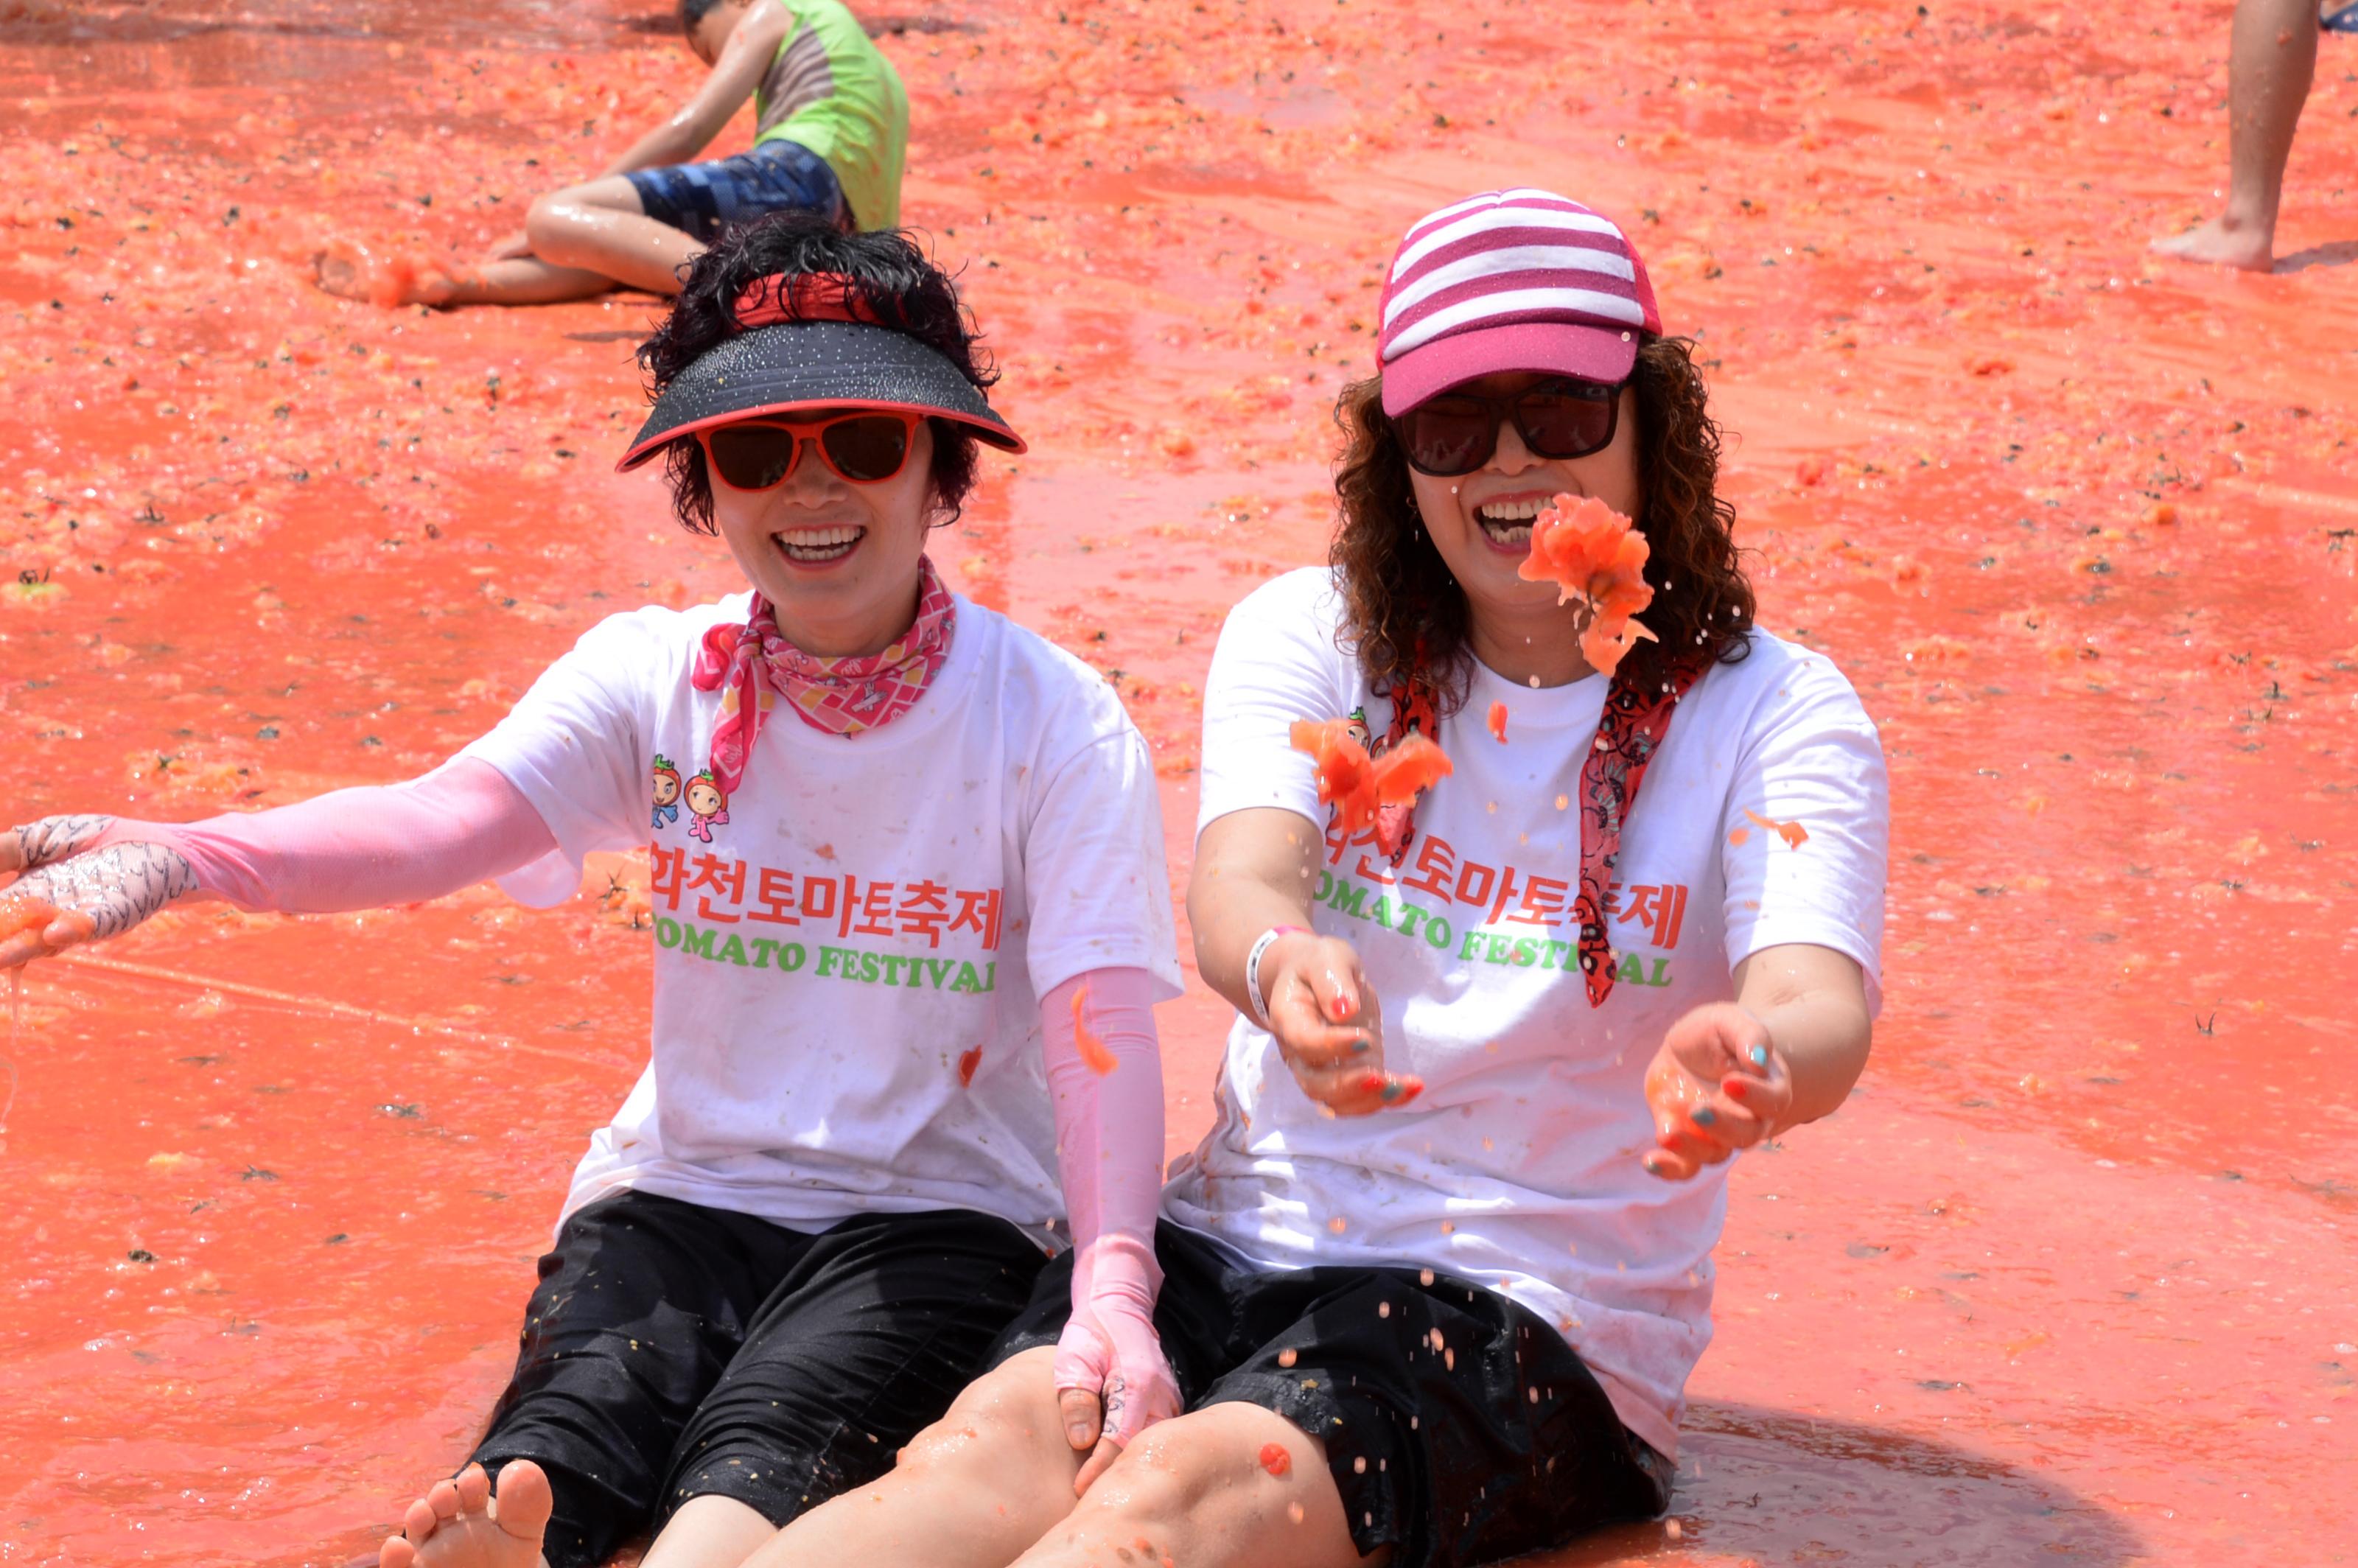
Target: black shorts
{"x": 673, "y": 1351}
{"x": 703, "y": 199}
{"x": 1459, "y": 1427}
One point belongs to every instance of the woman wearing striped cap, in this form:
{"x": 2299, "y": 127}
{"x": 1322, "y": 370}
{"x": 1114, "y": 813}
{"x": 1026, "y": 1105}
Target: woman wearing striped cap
{"x": 1435, "y": 1281}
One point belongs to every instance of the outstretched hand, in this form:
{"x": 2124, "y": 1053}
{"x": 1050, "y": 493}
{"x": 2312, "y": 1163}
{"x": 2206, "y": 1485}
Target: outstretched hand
{"x": 66, "y": 893}
{"x": 1717, "y": 1085}
{"x": 1328, "y": 1025}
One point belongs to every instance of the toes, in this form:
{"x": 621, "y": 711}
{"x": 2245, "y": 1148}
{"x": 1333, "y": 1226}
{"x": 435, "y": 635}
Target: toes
{"x": 525, "y": 1501}
{"x": 396, "y": 1552}
{"x": 418, "y": 1523}
{"x": 442, "y": 1497}
{"x": 474, "y": 1490}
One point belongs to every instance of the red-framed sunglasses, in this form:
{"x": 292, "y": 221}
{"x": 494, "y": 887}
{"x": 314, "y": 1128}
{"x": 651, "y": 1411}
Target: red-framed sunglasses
{"x": 1456, "y": 432}
{"x": 867, "y": 446}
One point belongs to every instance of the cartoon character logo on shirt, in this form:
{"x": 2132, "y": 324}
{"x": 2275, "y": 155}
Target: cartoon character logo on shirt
{"x": 666, "y": 791}
{"x": 707, "y": 805}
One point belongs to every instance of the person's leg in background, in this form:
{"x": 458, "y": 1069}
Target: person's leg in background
{"x": 636, "y": 231}
{"x": 602, "y": 229}
{"x": 2272, "y": 57}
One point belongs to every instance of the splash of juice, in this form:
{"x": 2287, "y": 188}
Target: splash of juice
{"x": 1275, "y": 1459}
{"x": 1093, "y": 1055}
{"x": 1342, "y": 762}
{"x": 968, "y": 1060}
{"x": 1358, "y": 786}
{"x": 1498, "y": 722}
{"x": 1596, "y": 558}
{"x": 1793, "y": 833}
{"x": 1413, "y": 766}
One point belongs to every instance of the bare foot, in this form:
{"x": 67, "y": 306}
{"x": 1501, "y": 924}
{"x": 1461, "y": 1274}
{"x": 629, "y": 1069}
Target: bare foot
{"x": 350, "y": 271}
{"x": 458, "y": 1524}
{"x": 2224, "y": 242}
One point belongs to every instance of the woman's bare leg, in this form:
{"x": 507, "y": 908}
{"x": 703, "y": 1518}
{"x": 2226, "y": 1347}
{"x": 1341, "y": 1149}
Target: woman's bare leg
{"x": 973, "y": 1490}
{"x": 2272, "y": 58}
{"x": 710, "y": 1532}
{"x": 992, "y": 1484}
{"x": 1195, "y": 1490}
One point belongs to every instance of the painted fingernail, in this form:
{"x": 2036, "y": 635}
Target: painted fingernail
{"x": 1391, "y": 1092}
{"x": 1362, "y": 1045}
{"x": 1760, "y": 1055}
{"x": 1702, "y": 1115}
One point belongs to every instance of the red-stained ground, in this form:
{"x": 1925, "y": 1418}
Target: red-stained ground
{"x": 2072, "y": 1277}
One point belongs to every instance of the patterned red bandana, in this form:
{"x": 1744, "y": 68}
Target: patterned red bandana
{"x": 751, "y": 663}
{"x": 1627, "y": 737}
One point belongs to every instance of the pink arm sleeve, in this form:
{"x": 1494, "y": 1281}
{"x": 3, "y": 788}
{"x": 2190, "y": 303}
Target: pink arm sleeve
{"x": 1110, "y": 1153}
{"x": 361, "y": 849}
{"x": 1109, "y": 1125}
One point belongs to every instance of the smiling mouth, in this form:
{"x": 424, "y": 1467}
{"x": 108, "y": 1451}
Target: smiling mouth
{"x": 1507, "y": 523}
{"x": 815, "y": 546}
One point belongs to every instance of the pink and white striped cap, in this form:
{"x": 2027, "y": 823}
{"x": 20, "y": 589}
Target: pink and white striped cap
{"x": 1511, "y": 280}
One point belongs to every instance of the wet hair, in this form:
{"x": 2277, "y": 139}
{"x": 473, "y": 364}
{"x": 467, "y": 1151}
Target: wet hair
{"x": 694, "y": 11}
{"x": 1404, "y": 614}
{"x": 905, "y": 289}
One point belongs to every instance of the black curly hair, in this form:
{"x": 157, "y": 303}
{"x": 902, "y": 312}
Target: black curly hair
{"x": 898, "y": 282}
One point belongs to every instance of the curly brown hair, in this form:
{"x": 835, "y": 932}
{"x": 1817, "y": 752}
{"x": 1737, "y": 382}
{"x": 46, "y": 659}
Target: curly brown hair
{"x": 1405, "y": 616}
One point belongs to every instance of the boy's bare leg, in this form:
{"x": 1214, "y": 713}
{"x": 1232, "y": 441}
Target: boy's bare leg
{"x": 2272, "y": 58}
{"x": 603, "y": 228}
{"x": 460, "y": 1524}
{"x": 1194, "y": 1490}
{"x": 973, "y": 1490}
{"x": 585, "y": 240}
{"x": 526, "y": 280}
{"x": 406, "y": 281}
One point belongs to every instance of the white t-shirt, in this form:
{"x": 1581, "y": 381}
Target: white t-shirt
{"x": 849, "y": 952}
{"x": 1517, "y": 1167}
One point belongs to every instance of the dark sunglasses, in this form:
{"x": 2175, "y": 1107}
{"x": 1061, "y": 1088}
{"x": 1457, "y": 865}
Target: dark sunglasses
{"x": 1456, "y": 432}
{"x": 865, "y": 447}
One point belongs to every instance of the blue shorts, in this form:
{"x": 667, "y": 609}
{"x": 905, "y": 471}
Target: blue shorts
{"x": 702, "y": 198}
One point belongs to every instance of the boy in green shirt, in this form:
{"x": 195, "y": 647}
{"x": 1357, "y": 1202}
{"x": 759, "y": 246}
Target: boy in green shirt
{"x": 831, "y": 130}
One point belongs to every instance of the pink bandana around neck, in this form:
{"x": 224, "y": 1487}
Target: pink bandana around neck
{"x": 842, "y": 697}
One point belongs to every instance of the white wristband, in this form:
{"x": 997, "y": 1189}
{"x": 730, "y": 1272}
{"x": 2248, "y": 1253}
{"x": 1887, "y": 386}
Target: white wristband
{"x": 1252, "y": 970}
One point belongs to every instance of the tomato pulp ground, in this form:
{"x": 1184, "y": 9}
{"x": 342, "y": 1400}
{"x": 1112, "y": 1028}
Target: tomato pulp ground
{"x": 2071, "y": 1274}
